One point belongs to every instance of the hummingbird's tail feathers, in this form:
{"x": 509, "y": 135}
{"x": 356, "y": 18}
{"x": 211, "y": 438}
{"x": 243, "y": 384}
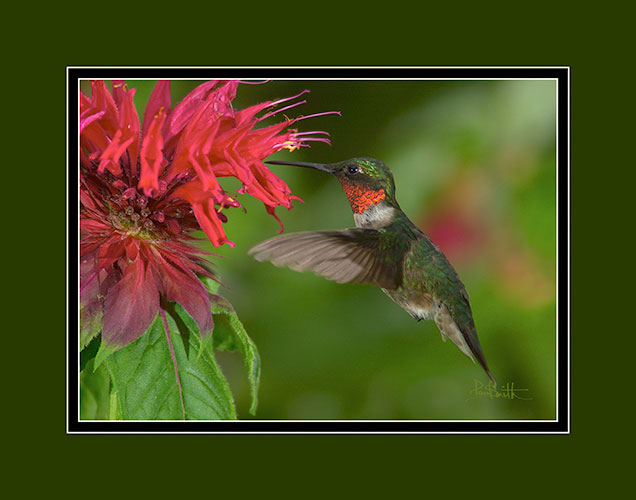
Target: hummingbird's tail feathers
{"x": 344, "y": 256}
{"x": 492, "y": 379}
{"x": 468, "y": 344}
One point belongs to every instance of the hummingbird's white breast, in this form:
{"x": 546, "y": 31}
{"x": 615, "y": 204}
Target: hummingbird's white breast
{"x": 376, "y": 216}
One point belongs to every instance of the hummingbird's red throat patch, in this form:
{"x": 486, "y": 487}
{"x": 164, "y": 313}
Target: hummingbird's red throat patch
{"x": 362, "y": 198}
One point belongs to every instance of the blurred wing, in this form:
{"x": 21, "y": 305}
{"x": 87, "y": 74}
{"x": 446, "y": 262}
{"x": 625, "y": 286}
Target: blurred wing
{"x": 346, "y": 256}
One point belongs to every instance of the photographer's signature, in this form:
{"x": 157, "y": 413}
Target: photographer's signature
{"x": 507, "y": 391}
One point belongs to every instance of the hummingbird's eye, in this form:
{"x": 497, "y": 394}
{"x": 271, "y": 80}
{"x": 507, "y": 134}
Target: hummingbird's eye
{"x": 353, "y": 169}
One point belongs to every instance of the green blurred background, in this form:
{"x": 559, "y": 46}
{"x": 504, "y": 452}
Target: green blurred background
{"x": 474, "y": 165}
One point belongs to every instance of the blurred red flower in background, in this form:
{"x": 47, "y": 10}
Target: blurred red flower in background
{"x": 144, "y": 189}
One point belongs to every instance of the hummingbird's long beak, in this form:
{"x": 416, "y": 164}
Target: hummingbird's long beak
{"x": 316, "y": 166}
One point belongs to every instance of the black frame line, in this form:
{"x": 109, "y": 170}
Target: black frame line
{"x": 561, "y": 425}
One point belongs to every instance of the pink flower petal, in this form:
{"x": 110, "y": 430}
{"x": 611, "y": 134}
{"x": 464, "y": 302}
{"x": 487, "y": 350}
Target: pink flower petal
{"x": 131, "y": 306}
{"x": 159, "y": 102}
{"x": 179, "y": 284}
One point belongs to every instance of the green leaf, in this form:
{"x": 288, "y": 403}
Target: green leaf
{"x": 105, "y": 350}
{"x": 224, "y": 337}
{"x": 89, "y": 352}
{"x": 144, "y": 378}
{"x": 94, "y": 393}
{"x": 211, "y": 285}
{"x": 229, "y": 334}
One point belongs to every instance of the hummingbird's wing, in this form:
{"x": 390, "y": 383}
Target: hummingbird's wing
{"x": 345, "y": 256}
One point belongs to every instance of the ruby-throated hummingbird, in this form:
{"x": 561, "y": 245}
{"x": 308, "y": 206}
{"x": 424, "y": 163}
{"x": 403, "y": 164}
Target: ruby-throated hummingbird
{"x": 384, "y": 249}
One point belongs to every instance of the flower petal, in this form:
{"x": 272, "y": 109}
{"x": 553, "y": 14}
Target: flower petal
{"x": 185, "y": 110}
{"x": 101, "y": 100}
{"x": 159, "y": 102}
{"x": 210, "y": 223}
{"x": 178, "y": 284}
{"x": 93, "y": 289}
{"x": 131, "y": 306}
{"x": 126, "y": 138}
{"x": 152, "y": 158}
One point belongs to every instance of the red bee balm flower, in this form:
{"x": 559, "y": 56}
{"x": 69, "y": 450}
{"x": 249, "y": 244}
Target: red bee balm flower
{"x": 142, "y": 192}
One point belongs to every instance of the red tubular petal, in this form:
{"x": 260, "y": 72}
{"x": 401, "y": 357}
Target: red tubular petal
{"x": 94, "y": 138}
{"x": 192, "y": 192}
{"x": 126, "y": 137}
{"x": 271, "y": 211}
{"x": 119, "y": 92}
{"x": 190, "y": 104}
{"x": 87, "y": 113}
{"x": 159, "y": 102}
{"x": 267, "y": 187}
{"x": 205, "y": 173}
{"x": 131, "y": 306}
{"x": 152, "y": 157}
{"x": 129, "y": 125}
{"x": 101, "y": 100}
{"x": 211, "y": 225}
{"x": 109, "y": 159}
{"x": 245, "y": 115}
{"x": 88, "y": 119}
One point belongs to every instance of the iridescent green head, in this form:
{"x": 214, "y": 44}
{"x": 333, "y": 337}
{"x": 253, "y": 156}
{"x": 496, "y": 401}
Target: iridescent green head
{"x": 366, "y": 181}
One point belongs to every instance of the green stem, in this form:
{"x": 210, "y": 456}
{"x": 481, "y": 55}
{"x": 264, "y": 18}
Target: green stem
{"x": 113, "y": 412}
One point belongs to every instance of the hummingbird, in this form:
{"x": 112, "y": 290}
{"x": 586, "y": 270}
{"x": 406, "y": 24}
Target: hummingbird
{"x": 385, "y": 249}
